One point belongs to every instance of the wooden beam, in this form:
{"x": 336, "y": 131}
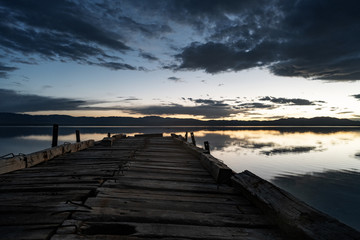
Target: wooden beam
{"x": 297, "y": 219}
{"x": 32, "y": 159}
{"x": 217, "y": 169}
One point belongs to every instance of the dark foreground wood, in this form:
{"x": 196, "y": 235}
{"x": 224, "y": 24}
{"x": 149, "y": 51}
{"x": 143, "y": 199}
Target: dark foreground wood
{"x": 133, "y": 188}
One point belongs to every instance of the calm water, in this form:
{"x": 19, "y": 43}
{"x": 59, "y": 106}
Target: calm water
{"x": 321, "y": 166}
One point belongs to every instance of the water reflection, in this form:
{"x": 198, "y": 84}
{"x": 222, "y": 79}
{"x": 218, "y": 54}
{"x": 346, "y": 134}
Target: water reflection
{"x": 269, "y": 153}
{"x": 287, "y": 150}
{"x": 335, "y": 192}
{"x": 321, "y": 168}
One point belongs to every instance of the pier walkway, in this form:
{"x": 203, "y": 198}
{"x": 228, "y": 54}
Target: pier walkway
{"x": 138, "y": 188}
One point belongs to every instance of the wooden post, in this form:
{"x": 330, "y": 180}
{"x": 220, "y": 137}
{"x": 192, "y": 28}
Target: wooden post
{"x": 193, "y": 138}
{"x": 207, "y": 147}
{"x": 108, "y": 134}
{"x": 77, "y": 135}
{"x": 186, "y": 136}
{"x": 55, "y": 135}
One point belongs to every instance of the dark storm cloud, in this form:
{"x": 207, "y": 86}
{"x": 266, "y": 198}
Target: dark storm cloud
{"x": 149, "y": 30}
{"x": 256, "y": 105}
{"x": 148, "y": 56}
{"x": 219, "y": 57}
{"x": 11, "y": 101}
{"x": 288, "y": 101}
{"x": 357, "y": 96}
{"x": 5, "y": 69}
{"x": 206, "y": 108}
{"x": 175, "y": 79}
{"x": 311, "y": 39}
{"x": 55, "y": 30}
{"x": 209, "y": 102}
{"x": 201, "y": 110}
{"x": 132, "y": 99}
{"x": 116, "y": 66}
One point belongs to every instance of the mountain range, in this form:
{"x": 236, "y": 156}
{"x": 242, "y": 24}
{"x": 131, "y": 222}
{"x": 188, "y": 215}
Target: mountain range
{"x": 14, "y": 119}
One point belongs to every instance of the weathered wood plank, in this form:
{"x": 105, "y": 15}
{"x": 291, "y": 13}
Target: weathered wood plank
{"x": 176, "y": 196}
{"x": 177, "y": 231}
{"x": 145, "y": 215}
{"x": 170, "y": 186}
{"x": 166, "y": 205}
{"x": 29, "y": 160}
{"x": 27, "y": 232}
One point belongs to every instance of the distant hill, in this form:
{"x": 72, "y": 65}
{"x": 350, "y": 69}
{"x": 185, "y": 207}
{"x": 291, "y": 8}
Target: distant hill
{"x": 13, "y": 119}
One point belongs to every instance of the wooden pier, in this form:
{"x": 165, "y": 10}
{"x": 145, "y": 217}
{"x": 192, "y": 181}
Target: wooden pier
{"x": 146, "y": 187}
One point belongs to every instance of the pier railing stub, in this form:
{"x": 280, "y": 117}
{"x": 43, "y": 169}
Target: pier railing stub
{"x": 217, "y": 169}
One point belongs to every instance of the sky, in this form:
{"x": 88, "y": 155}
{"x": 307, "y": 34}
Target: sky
{"x": 203, "y": 59}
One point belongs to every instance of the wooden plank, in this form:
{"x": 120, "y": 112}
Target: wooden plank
{"x": 145, "y": 215}
{"x": 32, "y": 218}
{"x": 170, "y": 186}
{"x": 295, "y": 217}
{"x": 135, "y": 175}
{"x": 160, "y": 231}
{"x": 176, "y": 196}
{"x": 167, "y": 205}
{"x": 27, "y": 232}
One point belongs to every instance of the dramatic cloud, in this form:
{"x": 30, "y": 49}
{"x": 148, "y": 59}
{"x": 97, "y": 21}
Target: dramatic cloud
{"x": 132, "y": 99}
{"x": 357, "y": 96}
{"x": 219, "y": 57}
{"x": 65, "y": 32}
{"x": 206, "y": 108}
{"x": 201, "y": 110}
{"x": 175, "y": 79}
{"x": 148, "y": 56}
{"x": 5, "y": 69}
{"x": 256, "y": 105}
{"x": 209, "y": 102}
{"x": 115, "y": 66}
{"x": 288, "y": 101}
{"x": 11, "y": 101}
{"x": 311, "y": 39}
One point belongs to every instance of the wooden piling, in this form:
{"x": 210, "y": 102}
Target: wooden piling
{"x": 193, "y": 138}
{"x": 207, "y": 147}
{"x": 77, "y": 135}
{"x": 55, "y": 135}
{"x": 186, "y": 136}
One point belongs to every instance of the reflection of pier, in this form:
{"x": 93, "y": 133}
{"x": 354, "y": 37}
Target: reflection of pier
{"x": 151, "y": 187}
